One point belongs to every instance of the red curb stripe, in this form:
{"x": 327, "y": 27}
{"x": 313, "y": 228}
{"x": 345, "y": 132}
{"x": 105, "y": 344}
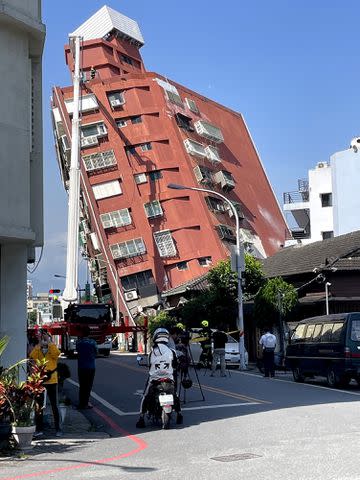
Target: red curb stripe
{"x": 141, "y": 445}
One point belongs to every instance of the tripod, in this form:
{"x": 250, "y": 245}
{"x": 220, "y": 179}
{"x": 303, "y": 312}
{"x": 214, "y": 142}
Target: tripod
{"x": 184, "y": 372}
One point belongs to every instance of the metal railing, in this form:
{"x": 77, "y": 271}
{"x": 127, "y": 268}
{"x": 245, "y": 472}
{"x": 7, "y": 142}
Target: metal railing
{"x": 296, "y": 197}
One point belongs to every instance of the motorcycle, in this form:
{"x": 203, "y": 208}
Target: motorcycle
{"x": 160, "y": 402}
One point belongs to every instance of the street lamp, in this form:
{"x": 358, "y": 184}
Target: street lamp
{"x": 327, "y": 285}
{"x": 240, "y": 317}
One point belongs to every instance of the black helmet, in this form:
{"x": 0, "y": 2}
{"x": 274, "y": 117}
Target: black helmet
{"x": 161, "y": 335}
{"x": 186, "y": 383}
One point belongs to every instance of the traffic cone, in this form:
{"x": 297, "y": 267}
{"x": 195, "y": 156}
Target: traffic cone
{"x": 140, "y": 348}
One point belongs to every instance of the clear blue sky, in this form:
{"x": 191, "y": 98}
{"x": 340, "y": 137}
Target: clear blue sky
{"x": 290, "y": 67}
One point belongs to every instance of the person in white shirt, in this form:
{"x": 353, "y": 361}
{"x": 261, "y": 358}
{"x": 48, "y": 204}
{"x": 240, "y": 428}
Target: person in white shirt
{"x": 268, "y": 343}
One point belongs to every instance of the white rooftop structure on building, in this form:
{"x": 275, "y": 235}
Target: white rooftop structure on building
{"x": 105, "y": 21}
{"x": 326, "y": 204}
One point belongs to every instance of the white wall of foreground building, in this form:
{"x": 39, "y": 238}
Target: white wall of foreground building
{"x": 21, "y": 177}
{"x": 321, "y": 218}
{"x": 345, "y": 167}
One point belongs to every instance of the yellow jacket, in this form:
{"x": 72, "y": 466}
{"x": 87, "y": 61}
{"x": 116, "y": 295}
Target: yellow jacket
{"x": 51, "y": 358}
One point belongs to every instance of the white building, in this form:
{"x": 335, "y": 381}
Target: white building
{"x": 21, "y": 191}
{"x": 326, "y": 204}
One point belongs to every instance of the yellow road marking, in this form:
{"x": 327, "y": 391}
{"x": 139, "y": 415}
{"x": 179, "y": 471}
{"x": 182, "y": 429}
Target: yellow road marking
{"x": 209, "y": 388}
{"x": 231, "y": 394}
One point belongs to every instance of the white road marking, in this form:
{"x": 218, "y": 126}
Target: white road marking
{"x": 335, "y": 390}
{"x": 101, "y": 400}
{"x": 120, "y": 413}
{"x": 203, "y": 407}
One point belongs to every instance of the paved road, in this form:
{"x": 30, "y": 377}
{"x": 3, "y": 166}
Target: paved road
{"x": 258, "y": 427}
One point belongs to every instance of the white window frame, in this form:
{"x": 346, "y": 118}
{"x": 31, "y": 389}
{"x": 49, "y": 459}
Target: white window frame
{"x": 146, "y": 147}
{"x": 100, "y": 189}
{"x": 209, "y": 131}
{"x": 194, "y": 148}
{"x": 129, "y": 248}
{"x": 153, "y": 209}
{"x": 212, "y": 154}
{"x": 208, "y": 261}
{"x": 116, "y": 218}
{"x": 165, "y": 243}
{"x": 140, "y": 178}
{"x": 191, "y": 104}
{"x": 101, "y": 129}
{"x": 123, "y": 123}
{"x": 114, "y": 96}
{"x": 98, "y": 160}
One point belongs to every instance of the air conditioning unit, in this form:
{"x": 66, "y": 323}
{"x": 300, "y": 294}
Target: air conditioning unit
{"x": 89, "y": 141}
{"x": 116, "y": 102}
{"x": 131, "y": 295}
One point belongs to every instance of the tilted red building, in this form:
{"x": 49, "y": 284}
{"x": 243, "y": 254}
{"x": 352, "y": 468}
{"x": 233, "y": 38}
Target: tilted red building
{"x": 140, "y": 132}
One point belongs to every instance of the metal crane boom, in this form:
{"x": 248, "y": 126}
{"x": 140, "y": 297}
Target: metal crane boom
{"x": 72, "y": 255}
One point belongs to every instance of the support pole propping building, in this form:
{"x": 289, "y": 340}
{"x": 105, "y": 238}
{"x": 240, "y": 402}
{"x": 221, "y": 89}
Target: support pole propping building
{"x": 141, "y": 131}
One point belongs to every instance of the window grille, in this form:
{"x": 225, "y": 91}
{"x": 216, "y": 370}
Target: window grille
{"x": 191, "y": 105}
{"x": 130, "y": 248}
{"x": 153, "y": 209}
{"x": 99, "y": 160}
{"x": 117, "y": 218}
{"x": 165, "y": 243}
{"x": 140, "y": 178}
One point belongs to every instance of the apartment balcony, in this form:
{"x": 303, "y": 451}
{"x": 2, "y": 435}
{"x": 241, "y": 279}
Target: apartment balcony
{"x": 298, "y": 204}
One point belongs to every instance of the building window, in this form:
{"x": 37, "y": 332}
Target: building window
{"x": 205, "y": 261}
{"x": 326, "y": 235}
{"x": 174, "y": 97}
{"x": 326, "y": 199}
{"x": 131, "y": 150}
{"x": 136, "y": 119}
{"x": 127, "y": 59}
{"x": 140, "y": 178}
{"x": 165, "y": 243}
{"x": 137, "y": 280}
{"x": 94, "y": 129}
{"x": 212, "y": 154}
{"x": 99, "y": 160}
{"x": 195, "y": 148}
{"x": 226, "y": 232}
{"x": 184, "y": 122}
{"x": 155, "y": 175}
{"x": 116, "y": 99}
{"x": 182, "y": 265}
{"x": 215, "y": 204}
{"x": 130, "y": 248}
{"x": 118, "y": 218}
{"x": 203, "y": 175}
{"x": 153, "y": 209}
{"x": 146, "y": 146}
{"x": 191, "y": 105}
{"x": 107, "y": 189}
{"x": 121, "y": 123}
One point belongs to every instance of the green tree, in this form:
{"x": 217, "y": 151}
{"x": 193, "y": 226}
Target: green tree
{"x": 32, "y": 317}
{"x": 162, "y": 319}
{"x": 275, "y": 299}
{"x": 218, "y": 304}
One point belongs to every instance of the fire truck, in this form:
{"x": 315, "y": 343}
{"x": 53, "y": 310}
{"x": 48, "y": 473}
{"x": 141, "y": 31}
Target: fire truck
{"x": 97, "y": 316}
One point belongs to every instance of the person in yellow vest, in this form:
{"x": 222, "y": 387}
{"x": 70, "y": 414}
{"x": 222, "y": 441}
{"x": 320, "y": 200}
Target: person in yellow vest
{"x": 47, "y": 350}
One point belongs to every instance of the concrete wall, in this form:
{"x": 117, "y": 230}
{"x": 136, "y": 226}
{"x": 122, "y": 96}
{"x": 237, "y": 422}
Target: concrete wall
{"x": 21, "y": 191}
{"x": 345, "y": 167}
{"x": 321, "y": 218}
